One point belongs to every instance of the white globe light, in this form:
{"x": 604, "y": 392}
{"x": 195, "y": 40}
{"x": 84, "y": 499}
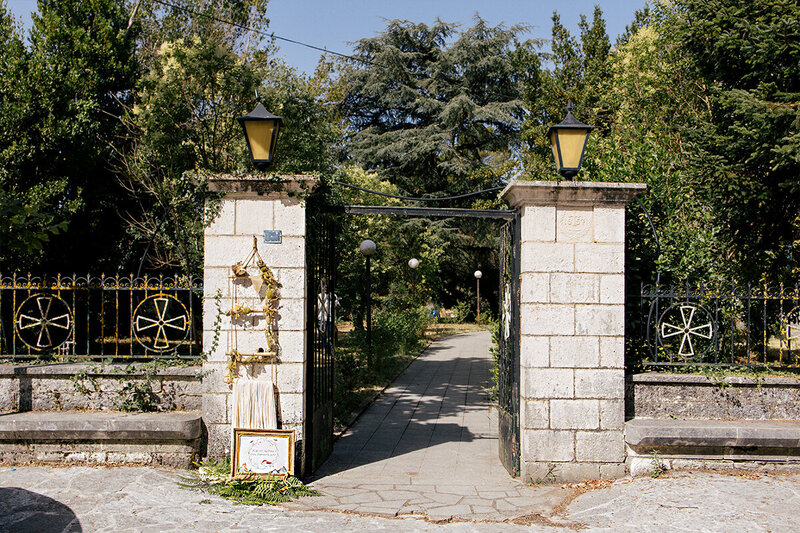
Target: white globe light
{"x": 413, "y": 263}
{"x": 367, "y": 247}
{"x": 478, "y": 274}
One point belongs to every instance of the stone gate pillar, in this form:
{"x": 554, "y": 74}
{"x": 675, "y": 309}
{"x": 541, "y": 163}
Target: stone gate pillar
{"x": 253, "y": 204}
{"x": 572, "y": 325}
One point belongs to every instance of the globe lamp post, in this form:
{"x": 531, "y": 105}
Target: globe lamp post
{"x": 413, "y": 263}
{"x": 368, "y": 249}
{"x": 478, "y": 276}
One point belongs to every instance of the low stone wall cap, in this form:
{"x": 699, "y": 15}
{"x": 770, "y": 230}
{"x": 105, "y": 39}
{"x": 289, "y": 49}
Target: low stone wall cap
{"x": 659, "y": 432}
{"x": 522, "y": 192}
{"x": 114, "y": 370}
{"x": 87, "y": 425}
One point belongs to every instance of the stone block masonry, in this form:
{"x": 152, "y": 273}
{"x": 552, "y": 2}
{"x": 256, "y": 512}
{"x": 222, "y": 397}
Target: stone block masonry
{"x": 251, "y": 205}
{"x": 572, "y": 325}
{"x": 95, "y": 387}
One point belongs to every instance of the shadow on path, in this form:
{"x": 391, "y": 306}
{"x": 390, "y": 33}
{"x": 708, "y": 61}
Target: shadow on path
{"x": 435, "y": 417}
{"x": 23, "y": 511}
{"x": 429, "y": 447}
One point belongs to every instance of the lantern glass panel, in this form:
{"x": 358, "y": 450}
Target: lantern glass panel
{"x": 571, "y": 142}
{"x": 554, "y": 146}
{"x": 259, "y": 133}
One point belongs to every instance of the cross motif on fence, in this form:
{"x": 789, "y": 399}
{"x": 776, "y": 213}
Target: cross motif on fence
{"x": 686, "y": 330}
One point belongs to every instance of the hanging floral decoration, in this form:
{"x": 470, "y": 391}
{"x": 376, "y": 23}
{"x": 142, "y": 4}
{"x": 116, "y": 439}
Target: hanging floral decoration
{"x": 269, "y": 286}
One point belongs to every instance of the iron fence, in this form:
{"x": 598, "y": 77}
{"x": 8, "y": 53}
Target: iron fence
{"x": 715, "y": 325}
{"x": 119, "y": 317}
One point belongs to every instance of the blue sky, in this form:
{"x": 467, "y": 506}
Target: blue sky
{"x": 336, "y": 23}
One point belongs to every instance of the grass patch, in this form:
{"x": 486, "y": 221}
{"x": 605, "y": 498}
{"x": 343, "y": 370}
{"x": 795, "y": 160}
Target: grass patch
{"x": 437, "y": 330}
{"x": 214, "y": 477}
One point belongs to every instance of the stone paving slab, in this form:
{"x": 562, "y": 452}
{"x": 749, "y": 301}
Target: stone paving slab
{"x": 43, "y": 499}
{"x": 429, "y": 447}
{"x": 35, "y": 499}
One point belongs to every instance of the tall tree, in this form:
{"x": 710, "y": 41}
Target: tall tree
{"x": 577, "y": 67}
{"x": 202, "y": 76}
{"x": 65, "y": 99}
{"x": 747, "y": 150}
{"x": 26, "y": 208}
{"x": 426, "y": 114}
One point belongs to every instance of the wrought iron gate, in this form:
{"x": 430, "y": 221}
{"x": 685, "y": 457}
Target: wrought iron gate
{"x": 321, "y": 320}
{"x": 508, "y": 340}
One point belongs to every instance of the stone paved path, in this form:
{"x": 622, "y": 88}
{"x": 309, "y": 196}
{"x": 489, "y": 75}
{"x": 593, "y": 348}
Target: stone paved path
{"x": 43, "y": 499}
{"x": 429, "y": 447}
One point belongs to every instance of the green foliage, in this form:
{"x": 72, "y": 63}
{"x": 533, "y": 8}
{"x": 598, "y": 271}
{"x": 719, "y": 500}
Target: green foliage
{"x": 60, "y": 101}
{"x": 214, "y": 477}
{"x": 578, "y": 66}
{"x": 137, "y": 382}
{"x": 427, "y": 113}
{"x": 493, "y": 390}
{"x": 24, "y": 230}
{"x": 657, "y": 467}
{"x": 157, "y": 24}
{"x": 182, "y": 123}
{"x": 217, "y": 326}
{"x": 460, "y": 312}
{"x": 399, "y": 331}
{"x": 747, "y": 148}
{"x": 311, "y": 122}
{"x": 398, "y": 336}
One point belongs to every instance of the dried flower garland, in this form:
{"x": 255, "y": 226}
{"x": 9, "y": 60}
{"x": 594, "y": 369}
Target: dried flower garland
{"x": 270, "y": 309}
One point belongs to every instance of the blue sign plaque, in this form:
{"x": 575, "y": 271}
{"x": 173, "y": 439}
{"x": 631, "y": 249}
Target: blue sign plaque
{"x": 272, "y": 236}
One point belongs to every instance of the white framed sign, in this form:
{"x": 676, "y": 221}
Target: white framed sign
{"x": 263, "y": 452}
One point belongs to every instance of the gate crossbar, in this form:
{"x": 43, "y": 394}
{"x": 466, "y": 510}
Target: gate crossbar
{"x": 427, "y": 211}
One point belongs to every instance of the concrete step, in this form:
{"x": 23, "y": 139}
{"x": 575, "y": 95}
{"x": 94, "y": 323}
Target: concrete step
{"x": 658, "y": 432}
{"x": 169, "y": 438}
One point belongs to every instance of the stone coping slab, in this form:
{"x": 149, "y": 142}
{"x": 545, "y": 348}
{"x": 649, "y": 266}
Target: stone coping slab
{"x": 580, "y": 193}
{"x": 261, "y": 183}
{"x": 713, "y": 433}
{"x": 66, "y": 370}
{"x": 666, "y": 378}
{"x": 87, "y": 425}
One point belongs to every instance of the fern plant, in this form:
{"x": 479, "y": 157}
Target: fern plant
{"x": 214, "y": 477}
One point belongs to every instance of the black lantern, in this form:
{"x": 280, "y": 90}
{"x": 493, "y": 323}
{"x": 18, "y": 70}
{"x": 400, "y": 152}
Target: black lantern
{"x": 261, "y": 133}
{"x": 568, "y": 141}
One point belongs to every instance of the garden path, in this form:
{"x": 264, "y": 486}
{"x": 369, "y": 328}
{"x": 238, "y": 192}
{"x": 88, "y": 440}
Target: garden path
{"x": 429, "y": 447}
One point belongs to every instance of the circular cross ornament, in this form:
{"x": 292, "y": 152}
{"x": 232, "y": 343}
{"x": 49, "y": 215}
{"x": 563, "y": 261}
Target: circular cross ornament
{"x": 43, "y": 321}
{"x": 790, "y": 325}
{"x": 686, "y": 330}
{"x": 160, "y": 323}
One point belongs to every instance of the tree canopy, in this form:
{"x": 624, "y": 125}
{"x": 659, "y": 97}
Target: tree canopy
{"x": 107, "y": 132}
{"x": 428, "y": 114}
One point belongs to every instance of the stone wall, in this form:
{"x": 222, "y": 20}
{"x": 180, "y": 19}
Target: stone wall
{"x": 572, "y": 302}
{"x": 663, "y": 395}
{"x": 94, "y": 387}
{"x": 253, "y": 204}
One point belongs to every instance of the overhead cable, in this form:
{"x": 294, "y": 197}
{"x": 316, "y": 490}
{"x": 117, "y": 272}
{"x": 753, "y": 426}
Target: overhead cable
{"x": 264, "y": 33}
